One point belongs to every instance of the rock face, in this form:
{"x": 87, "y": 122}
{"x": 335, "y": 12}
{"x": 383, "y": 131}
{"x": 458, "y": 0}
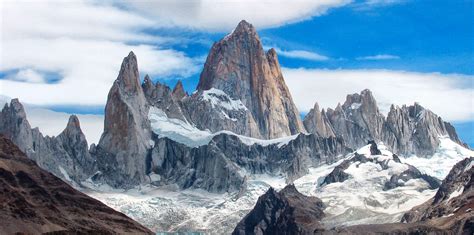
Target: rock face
{"x": 217, "y": 166}
{"x": 284, "y": 212}
{"x": 407, "y": 130}
{"x": 414, "y": 129}
{"x": 317, "y": 122}
{"x": 67, "y": 155}
{"x": 161, "y": 96}
{"x": 35, "y": 201}
{"x": 358, "y": 120}
{"x": 123, "y": 147}
{"x": 238, "y": 66}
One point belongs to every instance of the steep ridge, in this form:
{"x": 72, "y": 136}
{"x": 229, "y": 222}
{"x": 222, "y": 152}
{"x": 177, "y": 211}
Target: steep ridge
{"x": 123, "y": 147}
{"x": 238, "y": 66}
{"x": 67, "y": 155}
{"x": 34, "y": 201}
{"x": 407, "y": 130}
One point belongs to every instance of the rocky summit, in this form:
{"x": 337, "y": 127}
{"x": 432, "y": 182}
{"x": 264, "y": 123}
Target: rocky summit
{"x": 407, "y": 130}
{"x": 238, "y": 66}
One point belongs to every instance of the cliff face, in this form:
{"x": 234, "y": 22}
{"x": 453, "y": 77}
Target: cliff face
{"x": 67, "y": 155}
{"x": 126, "y": 139}
{"x": 406, "y": 130}
{"x": 238, "y": 66}
{"x": 35, "y": 201}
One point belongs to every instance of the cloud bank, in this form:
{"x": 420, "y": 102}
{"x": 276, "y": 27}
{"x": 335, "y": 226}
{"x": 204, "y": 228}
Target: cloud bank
{"x": 82, "y": 44}
{"x": 449, "y": 95}
{"x": 215, "y": 15}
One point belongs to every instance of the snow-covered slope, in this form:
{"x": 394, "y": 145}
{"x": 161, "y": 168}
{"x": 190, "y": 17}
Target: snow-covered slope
{"x": 445, "y": 157}
{"x": 360, "y": 199}
{"x": 363, "y": 197}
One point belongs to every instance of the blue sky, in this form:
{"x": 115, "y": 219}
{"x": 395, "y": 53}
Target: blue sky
{"x": 424, "y": 49}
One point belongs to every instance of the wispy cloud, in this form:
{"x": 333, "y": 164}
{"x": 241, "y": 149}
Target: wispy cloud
{"x": 372, "y": 4}
{"x": 224, "y": 15}
{"x": 299, "y": 54}
{"x": 379, "y": 57}
{"x": 437, "y": 92}
{"x": 83, "y": 43}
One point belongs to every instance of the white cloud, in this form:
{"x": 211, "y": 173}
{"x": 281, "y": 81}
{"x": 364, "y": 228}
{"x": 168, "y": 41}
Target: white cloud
{"x": 216, "y": 15}
{"x": 379, "y": 57}
{"x": 83, "y": 44}
{"x": 26, "y": 75}
{"x": 449, "y": 95}
{"x": 301, "y": 54}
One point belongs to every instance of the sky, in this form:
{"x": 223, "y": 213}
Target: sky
{"x": 65, "y": 55}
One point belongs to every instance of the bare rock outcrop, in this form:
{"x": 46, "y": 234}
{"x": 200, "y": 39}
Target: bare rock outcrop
{"x": 238, "y": 66}
{"x": 124, "y": 144}
{"x": 317, "y": 122}
{"x": 284, "y": 212}
{"x": 67, "y": 155}
{"x": 407, "y": 130}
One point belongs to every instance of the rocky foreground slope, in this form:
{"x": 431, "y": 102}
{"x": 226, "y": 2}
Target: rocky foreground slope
{"x": 34, "y": 201}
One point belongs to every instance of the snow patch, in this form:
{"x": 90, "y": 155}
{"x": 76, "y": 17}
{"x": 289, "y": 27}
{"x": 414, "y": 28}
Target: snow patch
{"x": 220, "y": 99}
{"x": 355, "y": 105}
{"x": 185, "y": 133}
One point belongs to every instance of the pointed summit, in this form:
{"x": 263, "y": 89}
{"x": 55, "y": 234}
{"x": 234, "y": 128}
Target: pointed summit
{"x": 73, "y": 122}
{"x": 128, "y": 78}
{"x": 126, "y": 133}
{"x": 238, "y": 66}
{"x": 178, "y": 91}
{"x": 245, "y": 27}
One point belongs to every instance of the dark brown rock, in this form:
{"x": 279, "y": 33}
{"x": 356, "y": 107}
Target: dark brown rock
{"x": 34, "y": 201}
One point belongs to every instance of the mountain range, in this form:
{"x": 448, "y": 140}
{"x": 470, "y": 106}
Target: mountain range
{"x": 240, "y": 123}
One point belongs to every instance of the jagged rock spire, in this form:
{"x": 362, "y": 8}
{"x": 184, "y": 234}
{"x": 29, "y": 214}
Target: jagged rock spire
{"x": 239, "y": 66}
{"x": 126, "y": 127}
{"x": 178, "y": 91}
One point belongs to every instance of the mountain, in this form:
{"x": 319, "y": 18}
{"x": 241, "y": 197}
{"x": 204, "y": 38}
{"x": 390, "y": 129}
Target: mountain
{"x": 284, "y": 212}
{"x": 67, "y": 155}
{"x": 448, "y": 212}
{"x": 123, "y": 147}
{"x": 239, "y": 67}
{"x": 35, "y": 201}
{"x": 407, "y": 130}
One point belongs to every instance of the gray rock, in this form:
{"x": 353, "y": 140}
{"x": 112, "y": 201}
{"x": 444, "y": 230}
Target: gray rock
{"x": 407, "y": 130}
{"x": 161, "y": 96}
{"x": 216, "y": 167}
{"x": 317, "y": 122}
{"x": 358, "y": 120}
{"x": 415, "y": 130}
{"x": 66, "y": 155}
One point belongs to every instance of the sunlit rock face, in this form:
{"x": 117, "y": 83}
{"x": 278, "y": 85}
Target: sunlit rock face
{"x": 240, "y": 67}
